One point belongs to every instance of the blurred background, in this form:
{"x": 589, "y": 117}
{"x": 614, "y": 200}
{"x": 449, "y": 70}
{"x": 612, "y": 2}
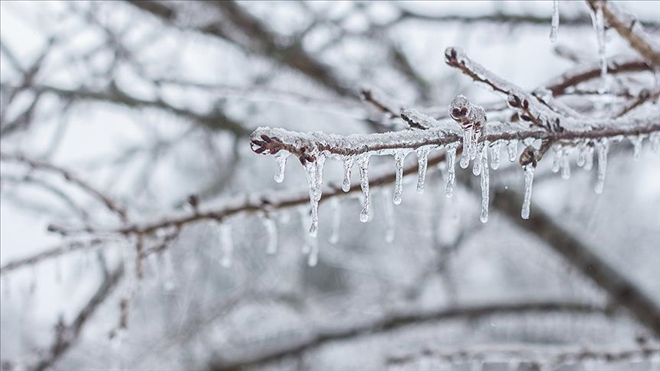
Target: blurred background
{"x": 150, "y": 102}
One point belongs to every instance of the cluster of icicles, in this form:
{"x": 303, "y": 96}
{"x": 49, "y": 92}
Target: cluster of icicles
{"x": 482, "y": 154}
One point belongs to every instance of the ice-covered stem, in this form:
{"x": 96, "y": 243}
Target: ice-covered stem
{"x": 380, "y": 101}
{"x": 630, "y": 29}
{"x": 67, "y": 334}
{"x": 563, "y": 241}
{"x": 391, "y": 322}
{"x": 267, "y": 140}
{"x": 530, "y": 109}
{"x": 68, "y": 176}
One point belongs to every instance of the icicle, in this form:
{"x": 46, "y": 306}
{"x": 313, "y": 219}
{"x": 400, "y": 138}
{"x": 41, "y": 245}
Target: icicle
{"x": 485, "y": 184}
{"x": 512, "y": 149}
{"x": 474, "y": 149}
{"x": 654, "y": 138}
{"x": 637, "y": 145}
{"x": 599, "y": 26}
{"x": 495, "y": 150}
{"x": 589, "y": 160}
{"x": 556, "y": 158}
{"x": 336, "y": 220}
{"x": 281, "y": 165}
{"x": 451, "y": 169}
{"x": 478, "y": 160}
{"x": 422, "y": 160}
{"x": 602, "y": 146}
{"x": 565, "y": 165}
{"x": 467, "y": 145}
{"x": 389, "y": 215}
{"x": 348, "y": 165}
{"x": 582, "y": 154}
{"x": 529, "y": 179}
{"x": 313, "y": 257}
{"x": 555, "y": 21}
{"x": 399, "y": 157}
{"x": 227, "y": 244}
{"x": 363, "y": 163}
{"x": 271, "y": 231}
{"x": 314, "y": 172}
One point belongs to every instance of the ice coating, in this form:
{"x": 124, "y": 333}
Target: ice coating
{"x": 451, "y": 169}
{"x": 485, "y": 184}
{"x": 527, "y": 201}
{"x": 280, "y": 157}
{"x": 602, "y": 146}
{"x": 363, "y": 164}
{"x": 422, "y": 159}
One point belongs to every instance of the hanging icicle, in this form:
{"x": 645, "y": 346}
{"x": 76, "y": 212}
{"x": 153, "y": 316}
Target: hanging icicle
{"x": 599, "y": 25}
{"x": 281, "y": 158}
{"x": 348, "y": 166}
{"x": 363, "y": 163}
{"x": 451, "y": 168}
{"x": 637, "y": 145}
{"x": 495, "y": 150}
{"x": 602, "y": 146}
{"x": 512, "y": 149}
{"x": 485, "y": 183}
{"x": 527, "y": 201}
{"x": 422, "y": 159}
{"x": 555, "y": 21}
{"x": 399, "y": 158}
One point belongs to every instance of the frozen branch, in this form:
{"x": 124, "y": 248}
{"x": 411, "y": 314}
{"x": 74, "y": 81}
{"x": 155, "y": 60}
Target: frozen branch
{"x": 630, "y": 29}
{"x": 391, "y": 322}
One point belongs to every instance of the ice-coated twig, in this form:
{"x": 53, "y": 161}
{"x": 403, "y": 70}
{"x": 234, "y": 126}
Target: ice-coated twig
{"x": 630, "y": 29}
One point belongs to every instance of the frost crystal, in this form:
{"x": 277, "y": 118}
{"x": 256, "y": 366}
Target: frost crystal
{"x": 451, "y": 169}
{"x": 529, "y": 179}
{"x": 422, "y": 158}
{"x": 512, "y": 149}
{"x": 555, "y": 21}
{"x": 348, "y": 165}
{"x": 363, "y": 163}
{"x": 602, "y": 146}
{"x": 485, "y": 183}
{"x": 227, "y": 244}
{"x": 399, "y": 157}
{"x": 271, "y": 230}
{"x": 281, "y": 165}
{"x": 336, "y": 220}
{"x": 495, "y": 155}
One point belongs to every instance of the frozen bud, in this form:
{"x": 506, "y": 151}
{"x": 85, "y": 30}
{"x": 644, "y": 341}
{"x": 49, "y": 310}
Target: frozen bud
{"x": 528, "y": 156}
{"x": 459, "y": 108}
{"x": 477, "y": 115}
{"x": 513, "y": 100}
